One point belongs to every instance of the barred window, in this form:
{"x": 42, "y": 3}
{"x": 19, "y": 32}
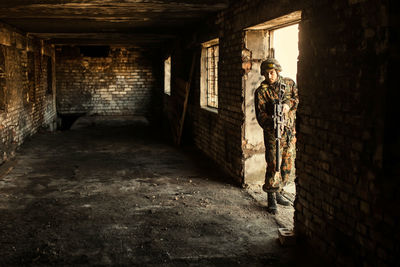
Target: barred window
{"x": 212, "y": 76}
{"x": 209, "y": 75}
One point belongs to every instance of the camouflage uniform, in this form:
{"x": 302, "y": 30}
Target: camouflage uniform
{"x": 265, "y": 96}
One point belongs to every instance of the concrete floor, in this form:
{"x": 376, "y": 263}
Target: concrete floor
{"x": 114, "y": 194}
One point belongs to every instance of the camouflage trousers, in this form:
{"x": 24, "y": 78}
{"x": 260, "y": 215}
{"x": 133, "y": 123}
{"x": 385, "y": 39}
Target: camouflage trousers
{"x": 275, "y": 181}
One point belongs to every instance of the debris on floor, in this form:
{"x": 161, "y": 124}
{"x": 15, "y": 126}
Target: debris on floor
{"x": 116, "y": 195}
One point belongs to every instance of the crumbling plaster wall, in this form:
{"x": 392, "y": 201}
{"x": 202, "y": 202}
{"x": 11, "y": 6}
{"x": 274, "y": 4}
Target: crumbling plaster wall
{"x": 121, "y": 83}
{"x": 342, "y": 186}
{"x": 28, "y": 103}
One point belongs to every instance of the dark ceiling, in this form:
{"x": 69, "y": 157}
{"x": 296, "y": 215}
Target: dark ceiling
{"x": 106, "y": 21}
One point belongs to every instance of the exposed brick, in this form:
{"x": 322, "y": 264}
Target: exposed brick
{"x": 340, "y": 134}
{"x": 27, "y": 105}
{"x": 119, "y": 84}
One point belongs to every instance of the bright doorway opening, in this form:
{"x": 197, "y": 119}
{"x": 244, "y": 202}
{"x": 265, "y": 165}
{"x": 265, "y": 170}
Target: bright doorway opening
{"x": 285, "y": 48}
{"x": 276, "y": 38}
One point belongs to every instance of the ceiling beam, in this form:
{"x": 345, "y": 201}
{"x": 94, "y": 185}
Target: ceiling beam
{"x": 103, "y": 38}
{"x": 126, "y": 21}
{"x": 139, "y": 5}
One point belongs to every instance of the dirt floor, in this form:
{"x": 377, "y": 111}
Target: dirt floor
{"x": 115, "y": 194}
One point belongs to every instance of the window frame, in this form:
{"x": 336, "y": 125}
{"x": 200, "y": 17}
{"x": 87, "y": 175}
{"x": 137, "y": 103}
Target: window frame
{"x": 205, "y": 91}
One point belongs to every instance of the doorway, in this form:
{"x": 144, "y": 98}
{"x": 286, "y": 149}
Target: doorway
{"x": 285, "y": 48}
{"x": 276, "y": 38}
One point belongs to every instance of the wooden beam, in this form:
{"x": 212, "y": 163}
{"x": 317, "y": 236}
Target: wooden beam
{"x": 187, "y": 90}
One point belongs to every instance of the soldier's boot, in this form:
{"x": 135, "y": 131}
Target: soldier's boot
{"x": 281, "y": 200}
{"x": 272, "y": 208}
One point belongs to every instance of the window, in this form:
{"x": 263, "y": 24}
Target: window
{"x": 209, "y": 74}
{"x": 30, "y": 97}
{"x": 167, "y": 76}
{"x": 2, "y": 80}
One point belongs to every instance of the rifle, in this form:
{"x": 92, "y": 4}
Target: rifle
{"x": 278, "y": 123}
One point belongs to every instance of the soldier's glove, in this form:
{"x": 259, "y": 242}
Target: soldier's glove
{"x": 286, "y": 109}
{"x": 285, "y": 113}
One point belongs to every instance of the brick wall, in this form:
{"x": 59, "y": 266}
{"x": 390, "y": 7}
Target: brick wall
{"x": 339, "y": 206}
{"x": 26, "y": 102}
{"x": 219, "y": 134}
{"x": 121, "y": 83}
{"x": 343, "y": 190}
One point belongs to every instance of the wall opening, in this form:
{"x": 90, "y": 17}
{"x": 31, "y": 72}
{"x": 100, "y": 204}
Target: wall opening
{"x": 167, "y": 76}
{"x": 275, "y": 38}
{"x": 284, "y": 47}
{"x": 95, "y": 51}
{"x": 209, "y": 75}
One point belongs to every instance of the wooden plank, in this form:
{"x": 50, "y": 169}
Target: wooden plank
{"x": 187, "y": 90}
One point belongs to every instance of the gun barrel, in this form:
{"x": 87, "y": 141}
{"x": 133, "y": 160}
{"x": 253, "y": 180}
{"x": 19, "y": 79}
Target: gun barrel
{"x": 278, "y": 122}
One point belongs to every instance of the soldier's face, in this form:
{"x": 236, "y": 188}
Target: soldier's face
{"x": 271, "y": 76}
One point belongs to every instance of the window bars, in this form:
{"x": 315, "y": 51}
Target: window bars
{"x": 212, "y": 75}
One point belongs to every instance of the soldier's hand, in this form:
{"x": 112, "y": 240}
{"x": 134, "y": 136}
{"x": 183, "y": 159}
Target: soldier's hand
{"x": 286, "y": 109}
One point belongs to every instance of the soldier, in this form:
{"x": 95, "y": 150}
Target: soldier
{"x": 265, "y": 97}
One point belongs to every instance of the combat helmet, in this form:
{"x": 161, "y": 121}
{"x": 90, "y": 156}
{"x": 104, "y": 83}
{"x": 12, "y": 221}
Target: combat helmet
{"x": 270, "y": 63}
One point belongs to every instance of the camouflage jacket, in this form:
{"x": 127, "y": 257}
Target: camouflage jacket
{"x": 264, "y": 98}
